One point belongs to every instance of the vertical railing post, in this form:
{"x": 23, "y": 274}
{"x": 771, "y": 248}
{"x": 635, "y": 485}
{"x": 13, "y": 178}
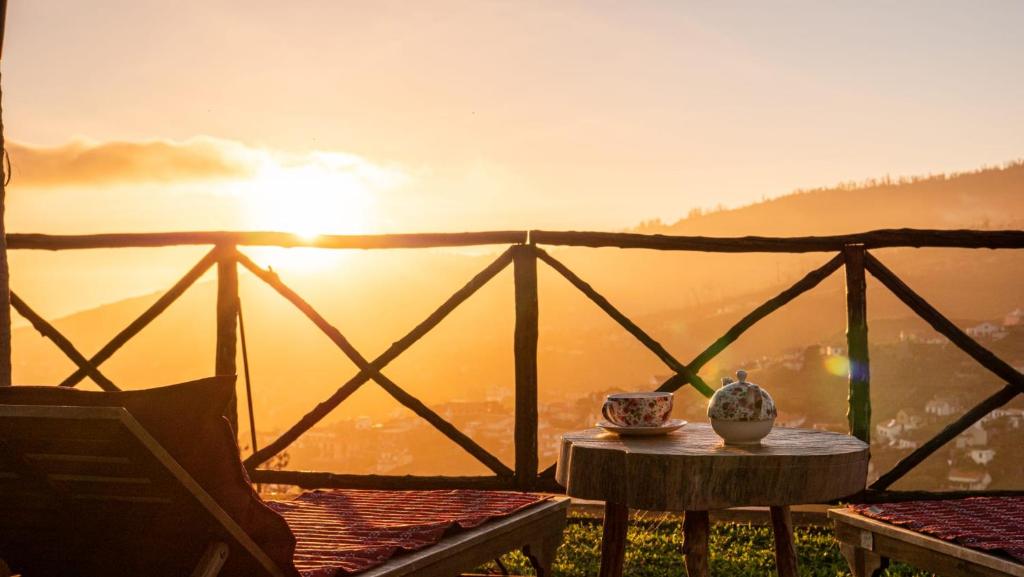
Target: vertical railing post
{"x": 859, "y": 411}
{"x": 227, "y": 328}
{"x": 525, "y": 271}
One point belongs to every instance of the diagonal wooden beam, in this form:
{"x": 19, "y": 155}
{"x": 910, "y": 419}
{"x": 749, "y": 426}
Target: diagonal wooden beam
{"x": 49, "y": 331}
{"x": 984, "y": 357}
{"x": 371, "y": 370}
{"x": 998, "y": 399}
{"x": 808, "y": 282}
{"x": 944, "y": 326}
{"x": 688, "y": 375}
{"x": 146, "y": 317}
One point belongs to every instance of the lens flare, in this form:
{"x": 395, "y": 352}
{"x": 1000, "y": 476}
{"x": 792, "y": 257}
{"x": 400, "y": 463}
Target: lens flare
{"x": 837, "y": 365}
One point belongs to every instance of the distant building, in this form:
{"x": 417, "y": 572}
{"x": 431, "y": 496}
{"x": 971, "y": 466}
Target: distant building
{"x": 942, "y": 407}
{"x": 986, "y": 330}
{"x": 970, "y": 479}
{"x": 890, "y": 431}
{"x": 975, "y": 436}
{"x": 909, "y": 420}
{"x": 982, "y": 456}
{"x": 1014, "y": 318}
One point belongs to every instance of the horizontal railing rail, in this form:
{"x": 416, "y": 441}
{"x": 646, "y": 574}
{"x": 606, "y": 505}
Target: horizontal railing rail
{"x": 523, "y": 252}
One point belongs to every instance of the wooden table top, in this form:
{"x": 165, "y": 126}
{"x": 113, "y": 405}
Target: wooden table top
{"x": 692, "y": 469}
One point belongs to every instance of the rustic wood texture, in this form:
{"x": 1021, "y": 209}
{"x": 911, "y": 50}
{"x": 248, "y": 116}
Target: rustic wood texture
{"x": 691, "y": 469}
{"x": 874, "y": 239}
{"x": 226, "y": 358}
{"x": 399, "y": 394}
{"x": 364, "y": 374}
{"x": 808, "y": 282}
{"x": 49, "y": 331}
{"x": 127, "y": 485}
{"x": 687, "y": 375}
{"x": 863, "y": 563}
{"x": 941, "y": 557}
{"x": 537, "y": 529}
{"x": 859, "y": 406}
{"x": 785, "y": 551}
{"x": 613, "y": 539}
{"x": 5, "y": 274}
{"x": 696, "y": 533}
{"x": 524, "y": 261}
{"x": 869, "y": 495}
{"x": 146, "y": 317}
{"x": 326, "y": 480}
{"x": 248, "y": 379}
{"x": 282, "y": 239}
{"x": 985, "y": 357}
{"x": 942, "y": 325}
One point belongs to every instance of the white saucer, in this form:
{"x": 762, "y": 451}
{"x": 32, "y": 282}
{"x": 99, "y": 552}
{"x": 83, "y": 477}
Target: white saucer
{"x": 668, "y": 427}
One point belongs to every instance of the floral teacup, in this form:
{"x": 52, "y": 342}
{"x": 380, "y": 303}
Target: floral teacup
{"x": 638, "y": 409}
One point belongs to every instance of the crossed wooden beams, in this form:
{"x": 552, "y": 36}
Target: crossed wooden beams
{"x": 684, "y": 373}
{"x": 90, "y": 367}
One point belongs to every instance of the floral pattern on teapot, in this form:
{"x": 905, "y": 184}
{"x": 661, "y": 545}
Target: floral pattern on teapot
{"x": 741, "y": 401}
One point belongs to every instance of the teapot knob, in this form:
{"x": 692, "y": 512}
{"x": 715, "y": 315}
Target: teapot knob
{"x": 741, "y": 375}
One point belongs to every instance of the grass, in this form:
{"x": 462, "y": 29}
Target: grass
{"x": 655, "y": 550}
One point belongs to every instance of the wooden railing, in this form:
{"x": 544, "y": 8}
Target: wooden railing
{"x": 851, "y": 253}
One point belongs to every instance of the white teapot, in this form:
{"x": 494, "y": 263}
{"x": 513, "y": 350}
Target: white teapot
{"x": 741, "y": 412}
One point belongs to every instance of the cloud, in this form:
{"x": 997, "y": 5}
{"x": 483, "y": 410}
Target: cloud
{"x": 158, "y": 161}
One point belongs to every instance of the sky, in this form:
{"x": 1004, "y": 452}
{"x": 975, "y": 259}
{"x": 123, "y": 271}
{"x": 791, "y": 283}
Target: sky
{"x": 382, "y": 116}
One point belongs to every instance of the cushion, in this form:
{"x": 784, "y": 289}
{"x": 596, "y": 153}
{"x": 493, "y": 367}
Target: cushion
{"x": 186, "y": 419}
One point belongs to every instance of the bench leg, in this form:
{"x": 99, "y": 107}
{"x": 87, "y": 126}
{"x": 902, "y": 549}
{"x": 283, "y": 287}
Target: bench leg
{"x": 542, "y": 554}
{"x": 212, "y": 560}
{"x": 863, "y": 563}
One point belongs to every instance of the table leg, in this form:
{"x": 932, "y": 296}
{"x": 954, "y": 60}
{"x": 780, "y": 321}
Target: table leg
{"x": 696, "y": 527}
{"x": 613, "y": 543}
{"x": 785, "y": 553}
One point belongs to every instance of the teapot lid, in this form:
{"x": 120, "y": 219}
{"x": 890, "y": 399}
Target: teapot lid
{"x": 740, "y": 374}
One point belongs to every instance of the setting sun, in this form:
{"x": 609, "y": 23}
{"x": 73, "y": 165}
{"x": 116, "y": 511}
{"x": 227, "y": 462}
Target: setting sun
{"x": 308, "y": 199}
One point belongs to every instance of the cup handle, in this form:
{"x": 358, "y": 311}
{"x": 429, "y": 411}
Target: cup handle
{"x": 604, "y": 411}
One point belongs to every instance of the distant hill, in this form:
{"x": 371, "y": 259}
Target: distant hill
{"x": 685, "y": 300}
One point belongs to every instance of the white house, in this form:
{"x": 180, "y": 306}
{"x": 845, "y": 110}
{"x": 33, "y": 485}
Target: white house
{"x": 1013, "y": 318}
{"x": 975, "y": 436}
{"x": 982, "y": 456}
{"x": 973, "y": 480}
{"x": 890, "y": 431}
{"x": 942, "y": 407}
{"x": 986, "y": 330}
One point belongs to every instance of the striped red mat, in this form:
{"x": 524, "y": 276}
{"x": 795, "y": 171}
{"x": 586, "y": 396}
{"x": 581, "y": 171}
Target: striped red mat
{"x": 342, "y": 532}
{"x": 990, "y": 524}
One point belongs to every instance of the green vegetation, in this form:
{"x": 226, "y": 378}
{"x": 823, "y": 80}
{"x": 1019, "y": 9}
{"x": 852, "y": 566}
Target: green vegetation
{"x": 655, "y": 550}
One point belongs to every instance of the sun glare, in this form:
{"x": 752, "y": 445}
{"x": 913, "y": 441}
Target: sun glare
{"x": 316, "y": 194}
{"x": 309, "y": 201}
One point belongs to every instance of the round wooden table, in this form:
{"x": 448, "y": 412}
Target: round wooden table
{"x": 692, "y": 470}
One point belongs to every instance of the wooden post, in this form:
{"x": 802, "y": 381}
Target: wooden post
{"x": 524, "y": 259}
{"x": 227, "y": 327}
{"x": 859, "y": 412}
{"x": 5, "y": 278}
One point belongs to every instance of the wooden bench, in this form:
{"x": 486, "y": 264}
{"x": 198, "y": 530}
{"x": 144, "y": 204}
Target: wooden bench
{"x": 88, "y": 491}
{"x": 869, "y": 544}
